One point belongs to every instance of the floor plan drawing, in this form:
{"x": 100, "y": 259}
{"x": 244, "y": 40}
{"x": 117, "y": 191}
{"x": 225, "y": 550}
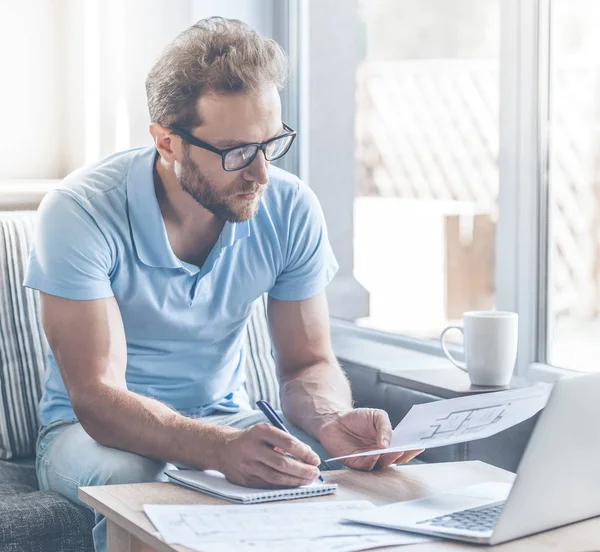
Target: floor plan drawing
{"x": 461, "y": 419}
{"x": 463, "y": 422}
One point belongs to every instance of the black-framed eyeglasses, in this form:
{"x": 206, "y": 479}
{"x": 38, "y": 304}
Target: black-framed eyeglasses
{"x": 239, "y": 157}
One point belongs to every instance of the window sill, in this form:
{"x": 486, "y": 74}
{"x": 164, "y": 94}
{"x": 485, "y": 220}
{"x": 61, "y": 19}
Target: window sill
{"x": 24, "y": 194}
{"x": 397, "y": 360}
{"x": 548, "y": 373}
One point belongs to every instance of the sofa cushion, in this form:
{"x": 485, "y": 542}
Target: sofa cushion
{"x": 261, "y": 377}
{"x": 33, "y": 520}
{"x": 22, "y": 344}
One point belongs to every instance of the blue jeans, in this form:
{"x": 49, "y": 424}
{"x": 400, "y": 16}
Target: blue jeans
{"x": 68, "y": 458}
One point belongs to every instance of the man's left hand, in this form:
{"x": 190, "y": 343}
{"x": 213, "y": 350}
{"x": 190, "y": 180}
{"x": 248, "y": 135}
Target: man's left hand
{"x": 361, "y": 430}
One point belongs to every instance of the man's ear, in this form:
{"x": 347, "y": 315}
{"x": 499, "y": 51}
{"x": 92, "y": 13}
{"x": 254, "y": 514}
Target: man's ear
{"x": 167, "y": 143}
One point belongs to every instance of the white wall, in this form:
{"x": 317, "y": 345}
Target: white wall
{"x": 110, "y": 46}
{"x": 72, "y": 75}
{"x": 29, "y": 90}
{"x": 257, "y": 13}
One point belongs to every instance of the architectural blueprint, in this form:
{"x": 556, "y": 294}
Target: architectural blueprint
{"x": 451, "y": 421}
{"x": 295, "y": 527}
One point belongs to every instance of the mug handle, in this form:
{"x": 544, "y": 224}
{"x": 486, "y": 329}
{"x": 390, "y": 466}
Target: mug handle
{"x": 456, "y": 363}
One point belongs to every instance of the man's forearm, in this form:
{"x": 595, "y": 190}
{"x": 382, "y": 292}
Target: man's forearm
{"x": 313, "y": 395}
{"x": 125, "y": 420}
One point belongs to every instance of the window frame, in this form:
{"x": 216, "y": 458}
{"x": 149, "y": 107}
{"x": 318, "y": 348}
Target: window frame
{"x": 290, "y": 31}
{"x": 522, "y": 231}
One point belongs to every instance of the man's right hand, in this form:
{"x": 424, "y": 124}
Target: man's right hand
{"x": 248, "y": 457}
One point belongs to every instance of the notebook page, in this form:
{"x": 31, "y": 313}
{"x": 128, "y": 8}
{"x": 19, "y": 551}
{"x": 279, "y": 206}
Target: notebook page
{"x": 215, "y": 483}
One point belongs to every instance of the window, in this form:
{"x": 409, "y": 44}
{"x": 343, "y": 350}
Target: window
{"x": 430, "y": 224}
{"x": 410, "y": 189}
{"x": 30, "y": 90}
{"x": 427, "y": 162}
{"x": 574, "y": 185}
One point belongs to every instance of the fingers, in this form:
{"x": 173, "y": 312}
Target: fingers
{"x": 409, "y": 455}
{"x": 390, "y": 458}
{"x": 380, "y": 461}
{"x": 267, "y": 477}
{"x": 386, "y": 460}
{"x": 286, "y": 442}
{"x": 373, "y": 461}
{"x": 383, "y": 427}
{"x": 288, "y": 466}
{"x": 270, "y": 464}
{"x": 363, "y": 463}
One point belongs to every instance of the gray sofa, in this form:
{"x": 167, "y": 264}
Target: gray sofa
{"x": 39, "y": 521}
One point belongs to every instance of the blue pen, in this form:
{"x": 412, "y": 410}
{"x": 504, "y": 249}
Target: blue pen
{"x": 274, "y": 418}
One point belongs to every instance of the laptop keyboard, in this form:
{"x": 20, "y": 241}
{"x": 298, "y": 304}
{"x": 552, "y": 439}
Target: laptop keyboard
{"x": 481, "y": 519}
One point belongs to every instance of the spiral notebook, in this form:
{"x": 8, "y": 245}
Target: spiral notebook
{"x": 215, "y": 484}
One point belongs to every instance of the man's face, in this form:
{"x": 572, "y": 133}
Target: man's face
{"x": 230, "y": 120}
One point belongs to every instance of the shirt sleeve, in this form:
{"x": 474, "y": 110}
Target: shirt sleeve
{"x": 310, "y": 264}
{"x": 71, "y": 257}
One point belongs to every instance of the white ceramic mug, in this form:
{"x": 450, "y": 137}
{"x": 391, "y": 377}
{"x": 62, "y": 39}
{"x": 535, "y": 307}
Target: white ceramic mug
{"x": 490, "y": 339}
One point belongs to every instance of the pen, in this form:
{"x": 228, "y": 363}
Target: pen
{"x": 274, "y": 418}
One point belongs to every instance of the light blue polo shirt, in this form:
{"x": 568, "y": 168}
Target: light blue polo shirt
{"x": 102, "y": 234}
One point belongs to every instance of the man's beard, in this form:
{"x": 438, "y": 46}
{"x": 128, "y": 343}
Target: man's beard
{"x": 223, "y": 204}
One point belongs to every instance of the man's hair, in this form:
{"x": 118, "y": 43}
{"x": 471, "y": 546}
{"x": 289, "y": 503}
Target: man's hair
{"x": 215, "y": 55}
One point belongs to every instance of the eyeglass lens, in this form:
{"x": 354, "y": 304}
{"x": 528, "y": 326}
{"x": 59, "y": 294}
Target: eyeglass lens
{"x": 243, "y": 156}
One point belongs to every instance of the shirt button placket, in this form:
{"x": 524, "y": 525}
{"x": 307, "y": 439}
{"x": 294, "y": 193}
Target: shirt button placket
{"x": 194, "y": 290}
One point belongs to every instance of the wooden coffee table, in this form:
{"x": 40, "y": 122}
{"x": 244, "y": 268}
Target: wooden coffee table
{"x": 129, "y": 530}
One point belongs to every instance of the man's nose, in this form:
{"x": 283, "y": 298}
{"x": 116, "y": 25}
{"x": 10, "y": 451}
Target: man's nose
{"x": 257, "y": 170}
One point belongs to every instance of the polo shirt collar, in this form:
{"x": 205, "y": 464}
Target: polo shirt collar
{"x": 147, "y": 225}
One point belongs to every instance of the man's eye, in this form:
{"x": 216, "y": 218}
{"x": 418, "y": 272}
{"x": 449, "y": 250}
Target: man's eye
{"x": 247, "y": 152}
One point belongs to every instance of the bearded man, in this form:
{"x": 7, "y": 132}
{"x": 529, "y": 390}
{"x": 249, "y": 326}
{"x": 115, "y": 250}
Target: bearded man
{"x": 148, "y": 263}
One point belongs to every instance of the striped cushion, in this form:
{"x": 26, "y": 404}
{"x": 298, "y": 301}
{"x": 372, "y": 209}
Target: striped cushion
{"x": 23, "y": 348}
{"x": 22, "y": 342}
{"x": 261, "y": 382}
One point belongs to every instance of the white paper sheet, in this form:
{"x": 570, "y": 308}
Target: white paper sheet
{"x": 294, "y": 527}
{"x": 450, "y": 421}
{"x": 327, "y": 544}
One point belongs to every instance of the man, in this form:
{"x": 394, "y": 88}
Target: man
{"x": 148, "y": 263}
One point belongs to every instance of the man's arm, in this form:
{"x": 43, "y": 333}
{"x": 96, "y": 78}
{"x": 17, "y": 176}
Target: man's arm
{"x": 313, "y": 386}
{"x": 315, "y": 393}
{"x": 88, "y": 341}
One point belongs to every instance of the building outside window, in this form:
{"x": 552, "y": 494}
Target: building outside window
{"x": 427, "y": 160}
{"x": 574, "y": 186}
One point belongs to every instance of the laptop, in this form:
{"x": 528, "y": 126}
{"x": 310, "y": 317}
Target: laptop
{"x": 557, "y": 481}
